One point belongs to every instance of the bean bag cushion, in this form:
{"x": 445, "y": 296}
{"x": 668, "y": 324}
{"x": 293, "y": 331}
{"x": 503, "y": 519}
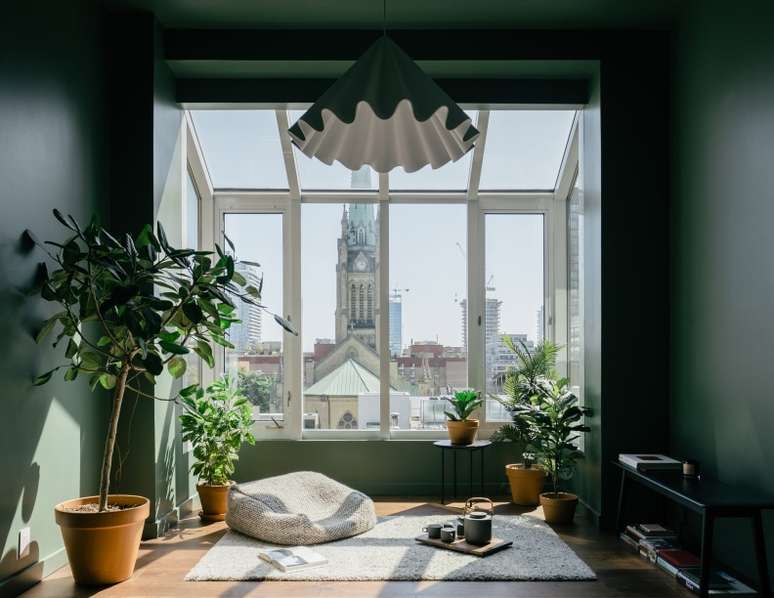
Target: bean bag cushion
{"x": 299, "y": 508}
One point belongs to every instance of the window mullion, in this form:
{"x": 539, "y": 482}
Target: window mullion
{"x": 383, "y": 336}
{"x": 476, "y": 298}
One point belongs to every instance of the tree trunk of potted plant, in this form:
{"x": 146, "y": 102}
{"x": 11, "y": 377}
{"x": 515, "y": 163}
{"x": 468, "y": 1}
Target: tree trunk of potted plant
{"x": 99, "y": 278}
{"x": 102, "y": 544}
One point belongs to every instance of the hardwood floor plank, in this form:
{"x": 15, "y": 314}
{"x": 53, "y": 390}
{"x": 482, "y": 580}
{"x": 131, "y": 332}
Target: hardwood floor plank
{"x": 163, "y": 563}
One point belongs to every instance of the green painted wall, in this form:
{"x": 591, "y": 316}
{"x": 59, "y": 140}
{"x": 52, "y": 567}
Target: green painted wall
{"x": 51, "y": 155}
{"x": 723, "y": 275}
{"x": 146, "y": 173}
{"x": 378, "y": 467}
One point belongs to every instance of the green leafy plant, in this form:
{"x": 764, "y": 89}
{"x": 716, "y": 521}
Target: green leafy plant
{"x": 216, "y": 422}
{"x": 151, "y": 303}
{"x": 521, "y": 385}
{"x": 463, "y": 403}
{"x": 554, "y": 424}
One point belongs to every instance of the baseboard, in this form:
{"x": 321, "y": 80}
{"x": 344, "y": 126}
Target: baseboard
{"x": 158, "y": 527}
{"x": 23, "y": 580}
{"x": 595, "y": 515}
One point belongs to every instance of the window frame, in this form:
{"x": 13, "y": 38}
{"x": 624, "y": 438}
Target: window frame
{"x": 216, "y": 203}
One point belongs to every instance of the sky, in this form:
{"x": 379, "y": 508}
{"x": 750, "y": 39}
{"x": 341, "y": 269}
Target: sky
{"x": 427, "y": 241}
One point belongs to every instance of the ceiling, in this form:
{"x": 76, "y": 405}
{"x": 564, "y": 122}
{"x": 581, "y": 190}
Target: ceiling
{"x": 411, "y": 14}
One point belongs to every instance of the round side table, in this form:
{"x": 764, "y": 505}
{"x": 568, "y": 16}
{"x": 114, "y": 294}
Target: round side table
{"x": 446, "y": 445}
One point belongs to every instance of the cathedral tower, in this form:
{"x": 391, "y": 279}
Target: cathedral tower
{"x": 356, "y": 271}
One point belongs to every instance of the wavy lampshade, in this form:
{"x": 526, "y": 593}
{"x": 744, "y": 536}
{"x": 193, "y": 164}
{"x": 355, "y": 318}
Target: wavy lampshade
{"x": 384, "y": 112}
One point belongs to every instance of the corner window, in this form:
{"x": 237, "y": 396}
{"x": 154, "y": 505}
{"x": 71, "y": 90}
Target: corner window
{"x": 403, "y": 287}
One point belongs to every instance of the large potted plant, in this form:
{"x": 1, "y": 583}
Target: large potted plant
{"x": 127, "y": 310}
{"x": 216, "y": 422}
{"x": 555, "y": 422}
{"x": 461, "y": 427}
{"x": 521, "y": 386}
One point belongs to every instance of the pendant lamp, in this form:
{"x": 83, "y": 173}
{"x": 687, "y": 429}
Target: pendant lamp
{"x": 384, "y": 112}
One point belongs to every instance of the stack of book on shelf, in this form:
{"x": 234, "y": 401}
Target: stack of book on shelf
{"x": 649, "y": 462}
{"x": 659, "y": 545}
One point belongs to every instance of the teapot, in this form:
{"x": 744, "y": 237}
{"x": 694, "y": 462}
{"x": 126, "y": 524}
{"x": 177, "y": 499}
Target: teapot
{"x": 477, "y": 521}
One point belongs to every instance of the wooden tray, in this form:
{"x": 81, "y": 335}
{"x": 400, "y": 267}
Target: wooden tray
{"x": 461, "y": 546}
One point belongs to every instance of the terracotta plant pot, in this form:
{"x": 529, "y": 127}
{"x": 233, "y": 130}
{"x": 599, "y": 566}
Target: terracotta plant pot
{"x": 462, "y": 432}
{"x": 102, "y": 547}
{"x": 526, "y": 483}
{"x": 559, "y": 507}
{"x": 214, "y": 501}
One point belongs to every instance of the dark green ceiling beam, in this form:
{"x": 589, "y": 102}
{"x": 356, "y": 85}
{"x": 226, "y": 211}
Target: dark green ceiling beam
{"x": 470, "y": 92}
{"x": 501, "y": 44}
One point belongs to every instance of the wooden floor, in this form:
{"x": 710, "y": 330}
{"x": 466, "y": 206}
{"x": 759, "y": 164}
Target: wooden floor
{"x": 163, "y": 563}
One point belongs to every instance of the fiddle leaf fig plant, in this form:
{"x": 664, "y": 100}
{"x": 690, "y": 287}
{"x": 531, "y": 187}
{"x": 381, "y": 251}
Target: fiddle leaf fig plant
{"x": 216, "y": 422}
{"x": 151, "y": 304}
{"x": 464, "y": 403}
{"x": 554, "y": 422}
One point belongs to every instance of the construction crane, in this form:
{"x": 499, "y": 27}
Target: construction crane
{"x": 397, "y": 293}
{"x": 489, "y": 286}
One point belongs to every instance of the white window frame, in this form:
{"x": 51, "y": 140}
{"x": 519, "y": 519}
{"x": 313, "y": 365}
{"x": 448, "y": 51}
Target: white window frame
{"x": 287, "y": 202}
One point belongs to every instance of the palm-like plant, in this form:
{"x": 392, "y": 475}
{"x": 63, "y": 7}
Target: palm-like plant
{"x": 521, "y": 385}
{"x": 553, "y": 422}
{"x": 464, "y": 403}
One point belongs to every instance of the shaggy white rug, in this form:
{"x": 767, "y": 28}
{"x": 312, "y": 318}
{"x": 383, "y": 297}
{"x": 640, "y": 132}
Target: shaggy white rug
{"x": 389, "y": 552}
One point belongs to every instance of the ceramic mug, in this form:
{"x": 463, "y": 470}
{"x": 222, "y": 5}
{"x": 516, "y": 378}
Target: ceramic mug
{"x": 433, "y": 531}
{"x": 448, "y": 533}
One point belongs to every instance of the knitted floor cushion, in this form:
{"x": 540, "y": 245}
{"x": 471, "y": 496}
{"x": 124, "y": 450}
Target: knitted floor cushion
{"x": 299, "y": 508}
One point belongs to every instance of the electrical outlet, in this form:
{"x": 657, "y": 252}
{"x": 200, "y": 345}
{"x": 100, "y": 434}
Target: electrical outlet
{"x": 25, "y": 537}
{"x": 187, "y": 447}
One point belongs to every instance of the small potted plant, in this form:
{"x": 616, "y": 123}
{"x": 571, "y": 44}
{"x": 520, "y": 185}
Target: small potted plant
{"x": 520, "y": 386}
{"x": 463, "y": 429}
{"x": 555, "y": 422}
{"x": 127, "y": 311}
{"x": 216, "y": 422}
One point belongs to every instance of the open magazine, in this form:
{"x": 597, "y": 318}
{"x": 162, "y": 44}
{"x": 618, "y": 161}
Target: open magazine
{"x": 292, "y": 559}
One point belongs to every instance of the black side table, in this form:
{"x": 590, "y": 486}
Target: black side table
{"x": 446, "y": 445}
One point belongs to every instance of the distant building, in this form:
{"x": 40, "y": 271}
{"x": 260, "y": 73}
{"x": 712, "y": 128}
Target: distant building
{"x": 246, "y": 334}
{"x": 492, "y": 321}
{"x": 541, "y": 325}
{"x": 396, "y": 324}
{"x": 357, "y": 290}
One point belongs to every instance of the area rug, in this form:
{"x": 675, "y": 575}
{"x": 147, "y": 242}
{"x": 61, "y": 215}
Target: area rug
{"x": 389, "y": 552}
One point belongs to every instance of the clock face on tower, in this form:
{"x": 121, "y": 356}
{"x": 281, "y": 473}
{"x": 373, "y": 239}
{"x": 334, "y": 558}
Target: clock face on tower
{"x": 360, "y": 263}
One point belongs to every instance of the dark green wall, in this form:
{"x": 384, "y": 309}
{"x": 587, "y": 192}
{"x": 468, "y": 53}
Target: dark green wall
{"x": 144, "y": 129}
{"x": 51, "y": 155}
{"x": 723, "y": 276}
{"x": 379, "y": 468}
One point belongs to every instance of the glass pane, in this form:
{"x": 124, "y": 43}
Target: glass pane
{"x": 193, "y": 361}
{"x": 428, "y": 284}
{"x": 575, "y": 255}
{"x": 450, "y": 177}
{"x": 257, "y": 353}
{"x": 316, "y": 175}
{"x": 514, "y": 294}
{"x": 339, "y": 282}
{"x": 524, "y": 148}
{"x": 241, "y": 148}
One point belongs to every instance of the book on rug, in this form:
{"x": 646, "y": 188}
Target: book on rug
{"x": 292, "y": 559}
{"x": 649, "y": 462}
{"x": 720, "y": 583}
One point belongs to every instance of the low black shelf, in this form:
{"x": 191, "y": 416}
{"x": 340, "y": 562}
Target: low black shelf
{"x": 710, "y": 499}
